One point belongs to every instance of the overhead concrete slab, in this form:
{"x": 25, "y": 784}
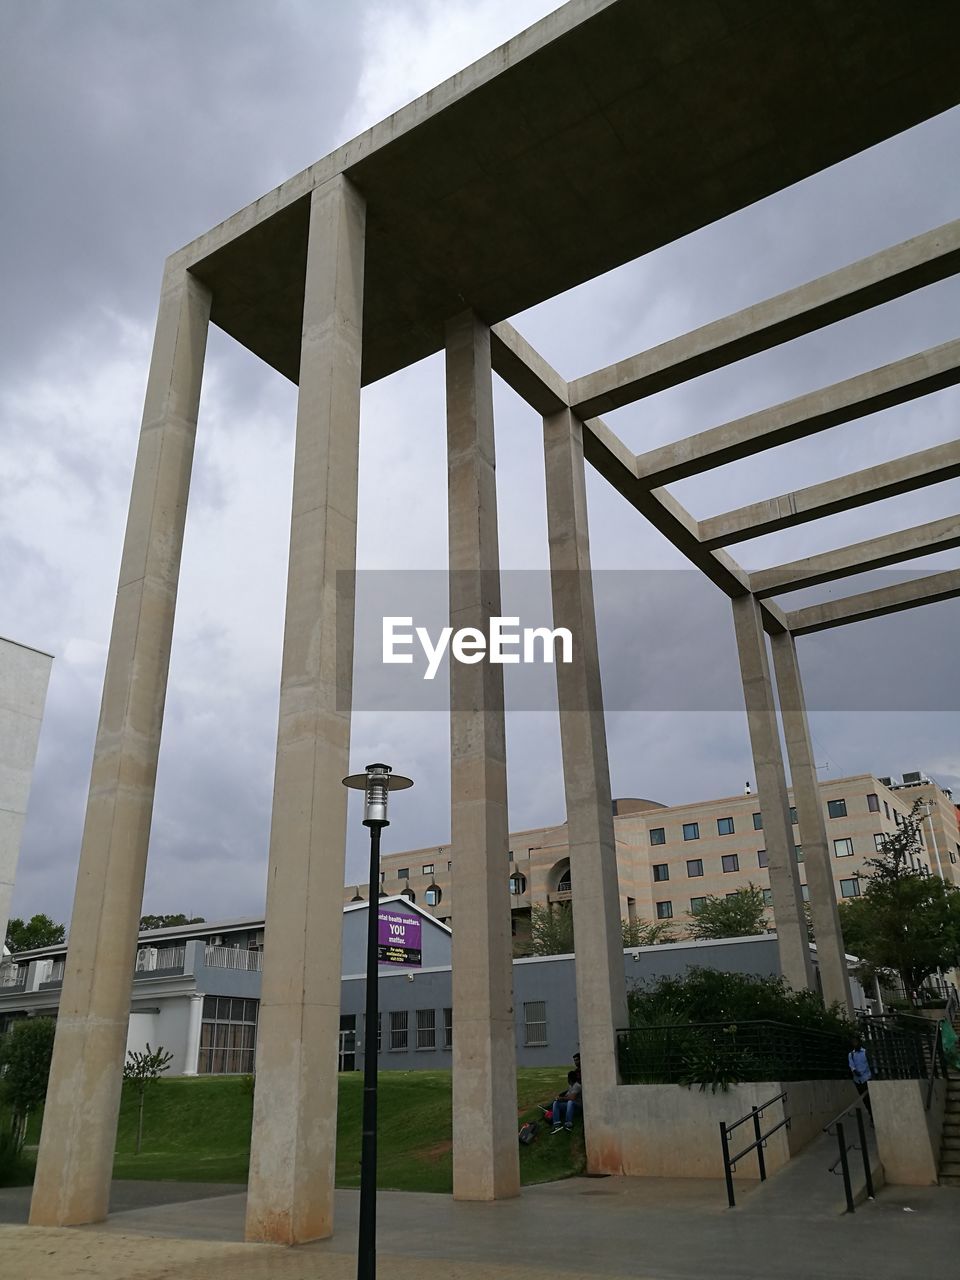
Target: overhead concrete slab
{"x": 610, "y": 128}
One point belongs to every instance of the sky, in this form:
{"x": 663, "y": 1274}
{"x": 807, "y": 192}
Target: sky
{"x": 128, "y": 128}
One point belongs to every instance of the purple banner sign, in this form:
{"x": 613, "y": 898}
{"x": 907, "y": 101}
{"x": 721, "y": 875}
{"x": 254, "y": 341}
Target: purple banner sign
{"x": 398, "y": 938}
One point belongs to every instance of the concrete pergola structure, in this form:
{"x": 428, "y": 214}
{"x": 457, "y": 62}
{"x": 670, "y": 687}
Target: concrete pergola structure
{"x": 427, "y": 233}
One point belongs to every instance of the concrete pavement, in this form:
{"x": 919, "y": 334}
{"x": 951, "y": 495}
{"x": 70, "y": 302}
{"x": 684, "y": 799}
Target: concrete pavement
{"x": 658, "y": 1229}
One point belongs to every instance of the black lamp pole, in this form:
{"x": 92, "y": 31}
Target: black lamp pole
{"x": 376, "y": 783}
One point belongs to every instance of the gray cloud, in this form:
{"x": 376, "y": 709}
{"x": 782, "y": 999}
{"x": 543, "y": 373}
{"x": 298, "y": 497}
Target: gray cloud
{"x": 126, "y": 130}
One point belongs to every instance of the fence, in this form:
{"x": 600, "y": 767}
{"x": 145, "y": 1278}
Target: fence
{"x": 726, "y": 1053}
{"x": 901, "y": 1047}
{"x": 12, "y": 975}
{"x": 233, "y": 958}
{"x": 160, "y": 959}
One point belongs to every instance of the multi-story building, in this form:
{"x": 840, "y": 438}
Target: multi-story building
{"x": 670, "y": 858}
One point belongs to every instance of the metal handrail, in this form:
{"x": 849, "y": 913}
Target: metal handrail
{"x": 759, "y": 1142}
{"x": 844, "y": 1147}
{"x": 936, "y": 1060}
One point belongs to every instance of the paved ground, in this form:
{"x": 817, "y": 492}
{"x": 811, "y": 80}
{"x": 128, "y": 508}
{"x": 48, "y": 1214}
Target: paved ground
{"x": 647, "y": 1229}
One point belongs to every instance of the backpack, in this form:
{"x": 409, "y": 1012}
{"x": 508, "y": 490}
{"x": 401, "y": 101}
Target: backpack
{"x": 528, "y": 1132}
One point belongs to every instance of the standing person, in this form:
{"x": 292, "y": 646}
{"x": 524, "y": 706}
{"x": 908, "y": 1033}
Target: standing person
{"x": 860, "y": 1070}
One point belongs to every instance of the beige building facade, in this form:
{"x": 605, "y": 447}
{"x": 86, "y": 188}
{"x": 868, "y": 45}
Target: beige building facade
{"x": 670, "y": 858}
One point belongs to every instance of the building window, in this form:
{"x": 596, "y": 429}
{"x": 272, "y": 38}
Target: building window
{"x": 843, "y": 848}
{"x": 896, "y": 817}
{"x": 535, "y": 1023}
{"x": 434, "y": 895}
{"x": 731, "y": 862}
{"x": 691, "y": 831}
{"x": 448, "y": 1028}
{"x": 953, "y": 856}
{"x": 793, "y": 814}
{"x": 798, "y": 852}
{"x": 768, "y": 897}
{"x": 836, "y": 808}
{"x": 427, "y": 869}
{"x": 694, "y": 867}
{"x": 228, "y": 1036}
{"x": 886, "y": 810}
{"x": 850, "y": 888}
{"x": 426, "y": 1028}
{"x": 805, "y": 892}
{"x": 762, "y": 859}
{"x": 758, "y": 822}
{"x": 518, "y": 884}
{"x": 403, "y": 873}
{"x": 383, "y": 876}
{"x": 658, "y": 835}
{"x": 696, "y": 904}
{"x": 449, "y": 865}
{"x": 724, "y": 826}
{"x": 398, "y": 1031}
{"x": 878, "y": 840}
{"x": 661, "y": 871}
{"x": 873, "y": 802}
{"x": 664, "y": 910}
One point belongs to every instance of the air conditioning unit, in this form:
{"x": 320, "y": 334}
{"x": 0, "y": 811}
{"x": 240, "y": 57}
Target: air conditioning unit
{"x": 216, "y": 940}
{"x": 912, "y": 779}
{"x": 887, "y": 782}
{"x": 146, "y": 959}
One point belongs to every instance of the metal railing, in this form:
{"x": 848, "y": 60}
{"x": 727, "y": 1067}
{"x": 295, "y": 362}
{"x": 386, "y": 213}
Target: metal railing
{"x": 159, "y": 959}
{"x": 758, "y": 1144}
{"x": 835, "y": 1127}
{"x": 901, "y": 1046}
{"x": 727, "y": 1053}
{"x": 12, "y": 976}
{"x": 233, "y": 958}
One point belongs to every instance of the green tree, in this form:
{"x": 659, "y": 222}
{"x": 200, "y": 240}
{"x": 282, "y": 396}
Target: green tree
{"x": 142, "y": 1069}
{"x": 646, "y": 933}
{"x": 38, "y": 931}
{"x": 907, "y": 921}
{"x": 25, "y": 1053}
{"x": 169, "y": 921}
{"x": 551, "y": 930}
{"x": 738, "y": 915}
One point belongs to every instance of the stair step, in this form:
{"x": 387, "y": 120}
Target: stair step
{"x": 949, "y": 1180}
{"x": 950, "y": 1169}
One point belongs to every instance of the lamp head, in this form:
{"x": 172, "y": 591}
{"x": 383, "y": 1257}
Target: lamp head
{"x": 376, "y": 784}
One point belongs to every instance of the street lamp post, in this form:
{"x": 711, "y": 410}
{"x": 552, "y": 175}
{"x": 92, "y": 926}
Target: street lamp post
{"x": 376, "y": 784}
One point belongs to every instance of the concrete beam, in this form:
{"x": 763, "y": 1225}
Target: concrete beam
{"x": 874, "y": 553}
{"x": 892, "y": 384}
{"x": 874, "y": 604}
{"x": 526, "y": 371}
{"x": 887, "y": 480}
{"x": 883, "y": 276}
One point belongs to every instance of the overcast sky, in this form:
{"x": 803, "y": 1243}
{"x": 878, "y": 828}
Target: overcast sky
{"x": 130, "y": 127}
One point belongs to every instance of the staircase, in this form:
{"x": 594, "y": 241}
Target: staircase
{"x": 950, "y": 1147}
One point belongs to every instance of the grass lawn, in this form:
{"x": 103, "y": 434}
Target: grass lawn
{"x": 198, "y": 1129}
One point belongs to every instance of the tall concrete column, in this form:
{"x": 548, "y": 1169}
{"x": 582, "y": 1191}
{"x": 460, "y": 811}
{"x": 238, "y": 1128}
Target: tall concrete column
{"x": 601, "y": 989}
{"x": 485, "y": 1154}
{"x": 293, "y": 1146}
{"x": 75, "y": 1159}
{"x": 813, "y": 830}
{"x": 788, "y": 914}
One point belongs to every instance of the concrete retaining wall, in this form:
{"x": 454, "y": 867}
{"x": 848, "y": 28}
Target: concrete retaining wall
{"x": 669, "y": 1131}
{"x": 908, "y": 1135}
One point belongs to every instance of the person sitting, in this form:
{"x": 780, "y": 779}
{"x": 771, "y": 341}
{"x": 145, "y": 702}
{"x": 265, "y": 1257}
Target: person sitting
{"x": 566, "y": 1104}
